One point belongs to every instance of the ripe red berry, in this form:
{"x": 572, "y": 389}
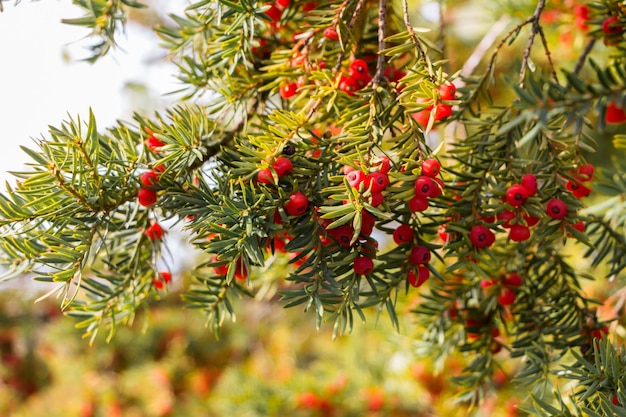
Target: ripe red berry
{"x": 403, "y": 234}
{"x": 376, "y": 199}
{"x": 274, "y": 13}
{"x": 363, "y": 265}
{"x": 297, "y": 204}
{"x": 282, "y": 166}
{"x": 359, "y": 70}
{"x": 507, "y": 216}
{"x": 443, "y": 234}
{"x": 368, "y": 221}
{"x": 442, "y": 111}
{"x": 447, "y": 91}
{"x": 487, "y": 284}
{"x": 529, "y": 181}
{"x": 481, "y": 237}
{"x": 241, "y": 272}
{"x": 557, "y": 209}
{"x": 307, "y": 7}
{"x": 519, "y": 233}
{"x": 422, "y": 118}
{"x": 154, "y": 231}
{"x": 506, "y": 297}
{"x": 431, "y": 168}
{"x": 331, "y": 34}
{"x": 530, "y": 220}
{"x": 385, "y": 165}
{"x": 420, "y": 255}
{"x": 343, "y": 235}
{"x": 348, "y": 85}
{"x": 611, "y": 25}
{"x": 425, "y": 187}
{"x": 146, "y": 197}
{"x": 512, "y": 280}
{"x": 355, "y": 178}
{"x": 149, "y": 178}
{"x": 283, "y": 3}
{"x": 585, "y": 172}
{"x": 166, "y": 276}
{"x": 417, "y": 279}
{"x": 579, "y": 225}
{"x": 418, "y": 204}
{"x": 153, "y": 143}
{"x": 577, "y": 189}
{"x": 378, "y": 181}
{"x": 288, "y": 90}
{"x": 265, "y": 176}
{"x": 615, "y": 114}
{"x": 516, "y": 195}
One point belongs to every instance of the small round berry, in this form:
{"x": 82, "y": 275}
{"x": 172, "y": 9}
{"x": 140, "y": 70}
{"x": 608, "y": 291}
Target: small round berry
{"x": 529, "y": 181}
{"x": 403, "y": 234}
{"x": 348, "y": 85}
{"x": 283, "y": 3}
{"x": 557, "y": 209}
{"x": 265, "y": 176}
{"x": 422, "y": 118}
{"x": 507, "y": 216}
{"x": 359, "y": 70}
{"x": 530, "y": 220}
{"x": 519, "y": 233}
{"x": 418, "y": 279}
{"x": 289, "y": 150}
{"x": 431, "y": 168}
{"x": 447, "y": 91}
{"x": 149, "y": 178}
{"x": 506, "y": 297}
{"x": 331, "y": 34}
{"x": 512, "y": 280}
{"x": 420, "y": 255}
{"x": 585, "y": 172}
{"x": 343, "y": 235}
{"x": 385, "y": 165}
{"x": 241, "y": 272}
{"x": 516, "y": 195}
{"x": 288, "y": 90}
{"x": 611, "y": 25}
{"x": 425, "y": 187}
{"x": 378, "y": 181}
{"x": 146, "y": 197}
{"x": 442, "y": 111}
{"x": 166, "y": 276}
{"x": 368, "y": 221}
{"x": 363, "y": 265}
{"x": 355, "y": 178}
{"x": 153, "y": 143}
{"x": 577, "y": 189}
{"x": 579, "y": 225}
{"x": 297, "y": 204}
{"x": 481, "y": 237}
{"x": 418, "y": 204}
{"x": 615, "y": 114}
{"x": 487, "y": 284}
{"x": 376, "y": 199}
{"x": 274, "y": 13}
{"x": 443, "y": 234}
{"x": 154, "y": 231}
{"x": 282, "y": 166}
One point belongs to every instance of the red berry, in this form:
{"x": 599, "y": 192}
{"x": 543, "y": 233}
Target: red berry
{"x": 512, "y": 280}
{"x": 154, "y": 231}
{"x": 577, "y": 189}
{"x": 265, "y": 176}
{"x": 481, "y": 237}
{"x": 378, "y": 181}
{"x": 615, "y": 114}
{"x": 507, "y": 216}
{"x": 307, "y": 7}
{"x": 585, "y": 172}
{"x": 611, "y": 25}
{"x": 443, "y": 235}
{"x": 274, "y": 13}
{"x": 516, "y": 195}
{"x": 519, "y": 233}
{"x": 348, "y": 85}
{"x": 308, "y": 399}
{"x": 579, "y": 225}
{"x": 530, "y": 220}
{"x": 506, "y": 297}
{"x": 288, "y": 90}
{"x": 368, "y": 221}
{"x": 355, "y": 178}
{"x": 431, "y": 168}
{"x": 447, "y": 91}
{"x": 486, "y": 285}
{"x": 331, "y": 34}
{"x": 343, "y": 235}
{"x": 420, "y": 255}
{"x": 282, "y": 166}
{"x": 158, "y": 284}
{"x": 297, "y": 204}
{"x": 403, "y": 234}
{"x": 347, "y": 169}
{"x": 359, "y": 70}
{"x": 416, "y": 280}
{"x": 166, "y": 276}
{"x": 422, "y": 118}
{"x": 557, "y": 209}
{"x": 363, "y": 265}
{"x": 377, "y": 199}
{"x": 149, "y": 178}
{"x": 146, "y": 197}
{"x": 529, "y": 181}
{"x": 241, "y": 272}
{"x": 442, "y": 111}
{"x": 418, "y": 204}
{"x": 283, "y": 3}
{"x": 153, "y": 143}
{"x": 425, "y": 187}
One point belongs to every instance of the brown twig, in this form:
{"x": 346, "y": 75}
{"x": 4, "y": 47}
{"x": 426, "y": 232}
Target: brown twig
{"x": 536, "y": 28}
{"x": 380, "y": 63}
{"x": 583, "y": 56}
{"x": 418, "y": 45}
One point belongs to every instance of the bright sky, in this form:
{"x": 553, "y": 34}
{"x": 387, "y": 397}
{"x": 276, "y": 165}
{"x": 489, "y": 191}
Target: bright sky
{"x": 38, "y": 88}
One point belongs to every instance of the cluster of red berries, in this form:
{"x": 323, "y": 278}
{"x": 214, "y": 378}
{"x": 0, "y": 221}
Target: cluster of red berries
{"x": 583, "y": 174}
{"x": 516, "y": 220}
{"x": 418, "y": 257}
{"x": 281, "y": 166}
{"x": 147, "y": 195}
{"x": 438, "y": 110}
{"x": 358, "y": 77}
{"x": 505, "y": 288}
{"x": 427, "y": 186}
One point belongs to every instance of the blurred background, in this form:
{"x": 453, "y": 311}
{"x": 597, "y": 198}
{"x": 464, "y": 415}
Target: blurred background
{"x": 272, "y": 361}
